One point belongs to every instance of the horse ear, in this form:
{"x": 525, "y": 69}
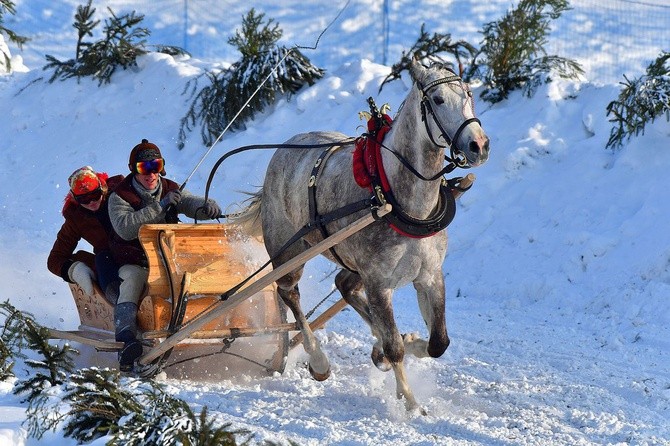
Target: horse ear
{"x": 416, "y": 68}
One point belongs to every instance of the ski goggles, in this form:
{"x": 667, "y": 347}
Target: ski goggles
{"x": 150, "y": 166}
{"x": 89, "y": 197}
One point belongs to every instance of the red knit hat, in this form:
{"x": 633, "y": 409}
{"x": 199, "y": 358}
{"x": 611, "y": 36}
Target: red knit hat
{"x": 144, "y": 151}
{"x": 84, "y": 180}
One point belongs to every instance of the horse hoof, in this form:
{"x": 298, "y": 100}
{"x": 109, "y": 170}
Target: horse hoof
{"x": 379, "y": 360}
{"x": 319, "y": 376}
{"x": 414, "y": 408}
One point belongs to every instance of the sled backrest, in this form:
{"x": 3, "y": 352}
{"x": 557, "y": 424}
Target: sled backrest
{"x": 202, "y": 261}
{"x": 214, "y": 255}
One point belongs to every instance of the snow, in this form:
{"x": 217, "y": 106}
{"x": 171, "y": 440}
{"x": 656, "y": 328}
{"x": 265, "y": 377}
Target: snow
{"x": 558, "y": 271}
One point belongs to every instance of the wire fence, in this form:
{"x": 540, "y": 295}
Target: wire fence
{"x": 621, "y": 36}
{"x": 609, "y": 38}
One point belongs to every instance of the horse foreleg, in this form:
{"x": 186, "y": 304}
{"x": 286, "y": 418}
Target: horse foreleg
{"x": 319, "y": 366}
{"x": 351, "y": 287}
{"x": 431, "y": 297}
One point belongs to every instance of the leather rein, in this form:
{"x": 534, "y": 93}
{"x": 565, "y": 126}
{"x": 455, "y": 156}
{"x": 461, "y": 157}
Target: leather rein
{"x": 369, "y": 170}
{"x": 372, "y": 142}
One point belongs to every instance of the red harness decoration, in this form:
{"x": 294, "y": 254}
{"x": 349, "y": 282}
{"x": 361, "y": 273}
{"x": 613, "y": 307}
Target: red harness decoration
{"x": 367, "y": 162}
{"x": 369, "y": 173}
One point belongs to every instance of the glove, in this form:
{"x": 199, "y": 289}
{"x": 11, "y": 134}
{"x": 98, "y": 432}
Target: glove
{"x": 211, "y": 210}
{"x": 83, "y": 276}
{"x": 172, "y": 198}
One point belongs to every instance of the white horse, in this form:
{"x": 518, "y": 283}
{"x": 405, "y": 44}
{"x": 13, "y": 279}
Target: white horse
{"x": 437, "y": 113}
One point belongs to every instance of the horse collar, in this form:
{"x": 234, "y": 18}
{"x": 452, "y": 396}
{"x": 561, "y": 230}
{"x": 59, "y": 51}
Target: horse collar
{"x": 369, "y": 173}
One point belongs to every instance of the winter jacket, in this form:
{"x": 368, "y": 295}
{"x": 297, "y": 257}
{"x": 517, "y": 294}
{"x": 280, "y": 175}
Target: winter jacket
{"x": 131, "y": 206}
{"x": 81, "y": 223}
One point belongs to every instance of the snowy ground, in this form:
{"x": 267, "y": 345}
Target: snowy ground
{"x": 558, "y": 272}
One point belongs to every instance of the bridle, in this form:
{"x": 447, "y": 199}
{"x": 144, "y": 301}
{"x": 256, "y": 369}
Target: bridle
{"x": 458, "y": 157}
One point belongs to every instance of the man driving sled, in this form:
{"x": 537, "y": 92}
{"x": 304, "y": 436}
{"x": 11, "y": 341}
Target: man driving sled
{"x": 143, "y": 197}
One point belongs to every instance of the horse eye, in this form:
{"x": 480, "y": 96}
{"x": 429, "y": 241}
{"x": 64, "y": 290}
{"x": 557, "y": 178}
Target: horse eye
{"x": 438, "y": 100}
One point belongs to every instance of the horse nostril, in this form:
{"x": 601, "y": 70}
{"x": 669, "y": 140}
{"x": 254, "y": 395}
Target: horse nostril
{"x": 474, "y": 147}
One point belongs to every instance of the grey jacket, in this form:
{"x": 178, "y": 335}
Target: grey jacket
{"x": 127, "y": 221}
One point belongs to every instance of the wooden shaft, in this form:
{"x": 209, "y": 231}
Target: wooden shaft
{"x": 258, "y": 285}
{"x": 85, "y": 337}
{"x": 320, "y": 321}
{"x": 465, "y": 183}
{"x": 226, "y": 332}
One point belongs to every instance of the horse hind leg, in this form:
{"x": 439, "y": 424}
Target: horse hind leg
{"x": 351, "y": 287}
{"x": 403, "y": 390}
{"x": 319, "y": 367}
{"x": 381, "y": 310}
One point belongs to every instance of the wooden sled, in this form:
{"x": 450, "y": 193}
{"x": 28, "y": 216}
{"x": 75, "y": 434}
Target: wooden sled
{"x": 190, "y": 266}
{"x": 190, "y": 330}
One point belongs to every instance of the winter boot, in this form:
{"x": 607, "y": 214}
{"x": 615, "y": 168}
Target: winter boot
{"x": 133, "y": 281}
{"x": 125, "y": 323}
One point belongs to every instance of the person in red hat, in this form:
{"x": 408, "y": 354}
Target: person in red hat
{"x": 143, "y": 197}
{"x": 86, "y": 217}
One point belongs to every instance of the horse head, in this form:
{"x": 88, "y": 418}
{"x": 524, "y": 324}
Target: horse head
{"x": 448, "y": 112}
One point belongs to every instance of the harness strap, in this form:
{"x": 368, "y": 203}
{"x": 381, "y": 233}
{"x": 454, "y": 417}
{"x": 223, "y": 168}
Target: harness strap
{"x": 311, "y": 192}
{"x": 369, "y": 146}
{"x": 350, "y": 209}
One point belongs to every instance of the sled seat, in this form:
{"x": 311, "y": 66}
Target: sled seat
{"x": 195, "y": 264}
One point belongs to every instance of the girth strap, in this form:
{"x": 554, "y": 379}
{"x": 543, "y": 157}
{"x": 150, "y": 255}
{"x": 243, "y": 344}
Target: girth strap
{"x": 314, "y": 217}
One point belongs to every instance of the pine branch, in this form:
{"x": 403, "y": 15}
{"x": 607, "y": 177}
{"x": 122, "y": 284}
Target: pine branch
{"x": 430, "y": 49}
{"x": 7, "y": 6}
{"x": 44, "y": 411}
{"x": 56, "y": 361}
{"x": 97, "y": 402}
{"x": 640, "y": 102}
{"x": 513, "y": 55}
{"x": 217, "y": 104}
{"x": 168, "y": 420}
{"x": 12, "y": 340}
{"x": 123, "y": 42}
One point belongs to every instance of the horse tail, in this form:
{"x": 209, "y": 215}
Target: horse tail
{"x": 248, "y": 220}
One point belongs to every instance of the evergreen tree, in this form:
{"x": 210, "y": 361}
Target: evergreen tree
{"x": 430, "y": 49}
{"x": 641, "y": 101}
{"x": 513, "y": 56}
{"x": 12, "y": 341}
{"x": 97, "y": 402}
{"x": 8, "y": 7}
{"x": 280, "y": 71}
{"x": 123, "y": 42}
